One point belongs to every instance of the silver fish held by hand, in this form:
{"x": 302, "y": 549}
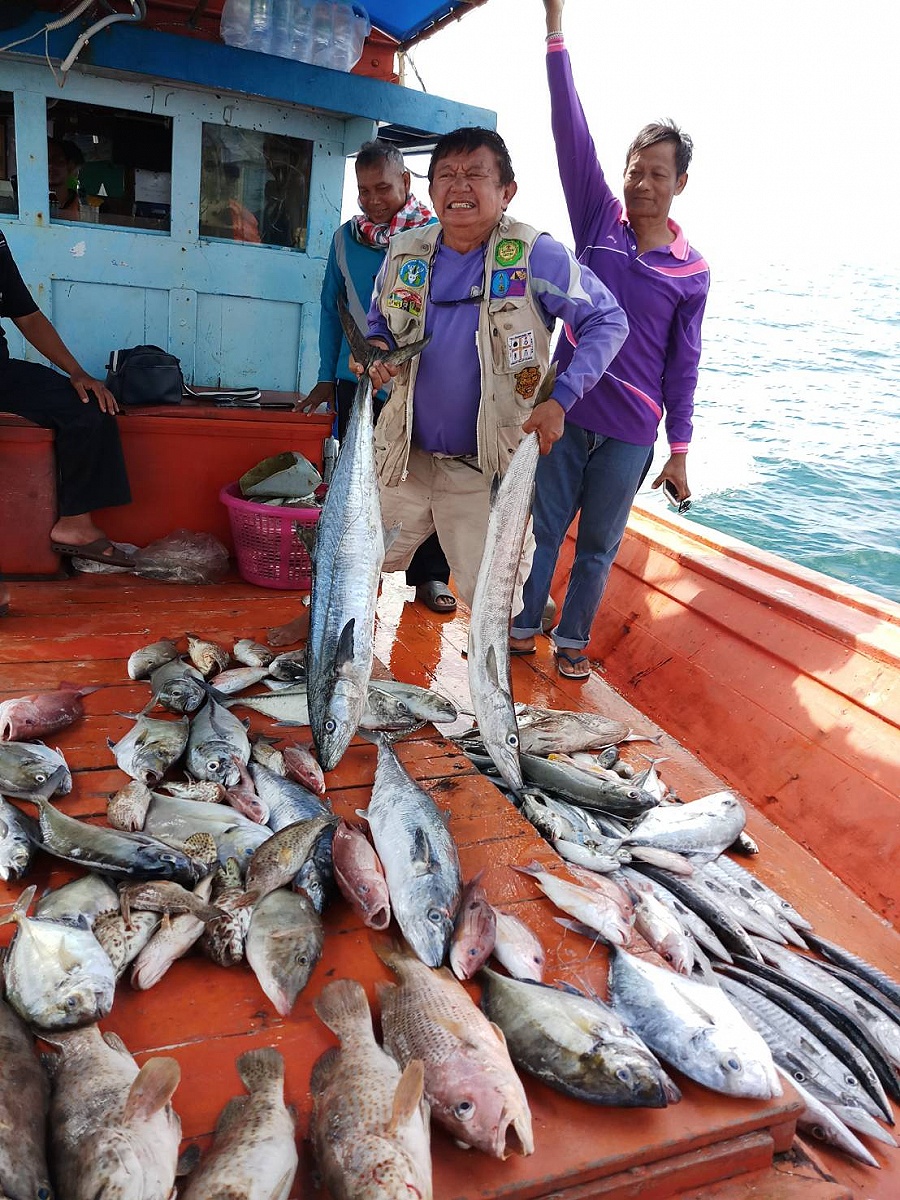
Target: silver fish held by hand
{"x": 347, "y": 557}
{"x": 418, "y": 855}
{"x": 488, "y": 651}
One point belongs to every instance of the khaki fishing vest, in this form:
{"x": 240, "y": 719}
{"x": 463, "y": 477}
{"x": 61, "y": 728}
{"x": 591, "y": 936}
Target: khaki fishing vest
{"x": 513, "y": 344}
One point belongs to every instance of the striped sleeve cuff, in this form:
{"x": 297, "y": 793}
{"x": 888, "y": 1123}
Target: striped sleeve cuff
{"x": 555, "y": 41}
{"x": 679, "y": 447}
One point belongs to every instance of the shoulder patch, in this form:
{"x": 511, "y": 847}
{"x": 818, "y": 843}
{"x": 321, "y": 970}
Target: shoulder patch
{"x": 413, "y": 272}
{"x": 509, "y": 251}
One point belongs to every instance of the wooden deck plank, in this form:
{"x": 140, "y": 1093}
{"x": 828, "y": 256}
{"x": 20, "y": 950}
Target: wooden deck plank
{"x": 204, "y": 1015}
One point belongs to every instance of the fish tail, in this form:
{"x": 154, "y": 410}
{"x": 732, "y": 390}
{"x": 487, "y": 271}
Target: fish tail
{"x": 261, "y": 1070}
{"x": 343, "y": 1007}
{"x": 533, "y": 868}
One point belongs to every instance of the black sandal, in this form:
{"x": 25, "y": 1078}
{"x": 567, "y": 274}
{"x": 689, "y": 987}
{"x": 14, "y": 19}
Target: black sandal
{"x": 573, "y": 668}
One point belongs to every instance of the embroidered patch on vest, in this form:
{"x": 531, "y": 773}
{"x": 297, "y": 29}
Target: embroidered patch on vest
{"x": 413, "y": 272}
{"x": 520, "y": 348}
{"x": 527, "y": 381}
{"x": 408, "y": 301}
{"x": 509, "y": 251}
{"x": 511, "y": 282}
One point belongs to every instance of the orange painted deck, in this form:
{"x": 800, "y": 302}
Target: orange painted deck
{"x": 84, "y": 629}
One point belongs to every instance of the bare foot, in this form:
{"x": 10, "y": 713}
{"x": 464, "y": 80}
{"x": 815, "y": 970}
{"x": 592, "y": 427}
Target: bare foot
{"x": 294, "y": 631}
{"x": 76, "y": 531}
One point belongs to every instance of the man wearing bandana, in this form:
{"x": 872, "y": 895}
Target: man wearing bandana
{"x": 356, "y": 255}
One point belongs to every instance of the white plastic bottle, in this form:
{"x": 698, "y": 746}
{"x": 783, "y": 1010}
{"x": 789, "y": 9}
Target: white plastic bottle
{"x": 235, "y": 24}
{"x": 321, "y": 33}
{"x": 261, "y": 26}
{"x": 301, "y": 31}
{"x": 350, "y": 26}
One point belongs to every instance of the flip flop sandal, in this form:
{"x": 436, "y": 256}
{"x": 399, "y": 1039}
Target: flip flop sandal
{"x": 520, "y": 650}
{"x": 433, "y": 591}
{"x": 572, "y": 666}
{"x": 94, "y": 552}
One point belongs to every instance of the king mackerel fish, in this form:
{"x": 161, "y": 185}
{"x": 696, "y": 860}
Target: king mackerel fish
{"x": 488, "y": 653}
{"x": 348, "y": 553}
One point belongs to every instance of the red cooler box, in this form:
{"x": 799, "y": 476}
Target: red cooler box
{"x": 27, "y": 499}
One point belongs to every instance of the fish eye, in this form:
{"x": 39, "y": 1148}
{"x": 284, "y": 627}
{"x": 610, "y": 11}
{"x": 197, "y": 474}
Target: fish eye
{"x": 623, "y": 1074}
{"x": 434, "y": 916}
{"x": 733, "y": 1064}
{"x": 465, "y": 1110}
{"x": 213, "y": 765}
{"x": 169, "y": 858}
{"x": 71, "y": 1002}
{"x": 40, "y": 777}
{"x": 513, "y": 741}
{"x": 799, "y": 1075}
{"x": 301, "y": 960}
{"x": 330, "y": 725}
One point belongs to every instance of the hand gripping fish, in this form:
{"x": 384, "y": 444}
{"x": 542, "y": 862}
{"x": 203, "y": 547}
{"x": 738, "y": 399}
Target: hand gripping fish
{"x": 488, "y": 654}
{"x": 347, "y": 556}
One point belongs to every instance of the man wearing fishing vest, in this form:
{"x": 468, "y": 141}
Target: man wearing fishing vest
{"x": 357, "y": 252}
{"x": 487, "y": 291}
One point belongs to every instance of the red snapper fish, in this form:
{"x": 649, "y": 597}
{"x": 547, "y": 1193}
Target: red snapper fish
{"x": 26, "y": 718}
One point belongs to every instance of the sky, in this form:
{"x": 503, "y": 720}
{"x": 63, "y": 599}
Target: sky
{"x": 790, "y": 105}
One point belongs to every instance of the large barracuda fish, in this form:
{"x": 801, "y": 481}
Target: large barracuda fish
{"x": 488, "y": 653}
{"x": 347, "y": 556}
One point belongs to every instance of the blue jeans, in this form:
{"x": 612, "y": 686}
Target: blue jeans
{"x": 600, "y": 476}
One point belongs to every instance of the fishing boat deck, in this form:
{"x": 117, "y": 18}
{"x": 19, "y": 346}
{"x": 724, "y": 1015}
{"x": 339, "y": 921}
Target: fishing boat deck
{"x": 83, "y": 629}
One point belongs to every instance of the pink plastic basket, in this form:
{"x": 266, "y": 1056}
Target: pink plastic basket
{"x": 268, "y": 549}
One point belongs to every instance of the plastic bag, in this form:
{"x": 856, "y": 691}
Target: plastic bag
{"x": 183, "y": 557}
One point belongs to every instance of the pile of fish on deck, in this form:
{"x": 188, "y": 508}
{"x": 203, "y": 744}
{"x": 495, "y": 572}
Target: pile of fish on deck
{"x": 709, "y": 970}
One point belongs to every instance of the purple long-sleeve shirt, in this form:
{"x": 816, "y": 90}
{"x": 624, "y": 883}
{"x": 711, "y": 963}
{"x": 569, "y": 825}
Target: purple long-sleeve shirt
{"x": 662, "y": 291}
{"x": 448, "y": 382}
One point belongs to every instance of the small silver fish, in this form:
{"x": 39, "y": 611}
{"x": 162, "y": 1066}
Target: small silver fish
{"x": 148, "y": 658}
{"x": 252, "y": 654}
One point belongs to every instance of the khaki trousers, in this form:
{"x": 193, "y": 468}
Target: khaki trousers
{"x": 451, "y": 496}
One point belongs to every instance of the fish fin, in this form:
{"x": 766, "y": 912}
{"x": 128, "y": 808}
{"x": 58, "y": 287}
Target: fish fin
{"x": 152, "y": 1089}
{"x": 115, "y": 1043}
{"x": 495, "y": 488}
{"x": 344, "y": 651}
{"x": 501, "y": 1036}
{"x": 408, "y": 1096}
{"x": 231, "y": 1114}
{"x": 424, "y": 859}
{"x": 361, "y": 812}
{"x": 322, "y": 1069}
{"x": 21, "y": 906}
{"x": 547, "y": 384}
{"x": 187, "y": 1161}
{"x": 490, "y": 663}
{"x": 390, "y": 536}
{"x": 308, "y": 536}
{"x": 584, "y": 930}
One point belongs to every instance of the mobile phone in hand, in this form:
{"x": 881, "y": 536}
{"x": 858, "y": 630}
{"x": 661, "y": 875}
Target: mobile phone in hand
{"x": 673, "y": 498}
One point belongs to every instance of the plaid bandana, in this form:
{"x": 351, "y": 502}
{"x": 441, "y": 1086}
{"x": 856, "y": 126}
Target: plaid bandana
{"x": 410, "y": 216}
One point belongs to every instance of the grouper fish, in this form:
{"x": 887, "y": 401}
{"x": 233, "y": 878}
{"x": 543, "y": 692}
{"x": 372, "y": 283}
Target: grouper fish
{"x": 347, "y": 556}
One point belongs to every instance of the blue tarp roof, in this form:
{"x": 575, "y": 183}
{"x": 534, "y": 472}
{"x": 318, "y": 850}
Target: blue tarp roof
{"x": 407, "y": 19}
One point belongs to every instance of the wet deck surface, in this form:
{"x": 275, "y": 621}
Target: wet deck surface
{"x": 83, "y": 630}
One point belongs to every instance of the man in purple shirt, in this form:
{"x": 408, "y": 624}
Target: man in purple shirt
{"x": 487, "y": 290}
{"x": 661, "y": 282}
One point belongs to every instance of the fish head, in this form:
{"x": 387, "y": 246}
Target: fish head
{"x": 500, "y": 735}
{"x": 341, "y": 720}
{"x": 78, "y": 1001}
{"x": 629, "y": 1074}
{"x": 17, "y": 718}
{"x": 214, "y": 761}
{"x": 737, "y": 1067}
{"x": 14, "y": 860}
{"x": 482, "y": 1106}
{"x": 426, "y": 920}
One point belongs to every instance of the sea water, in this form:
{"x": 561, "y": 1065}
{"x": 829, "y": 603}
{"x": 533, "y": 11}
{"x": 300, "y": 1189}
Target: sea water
{"x": 796, "y": 443}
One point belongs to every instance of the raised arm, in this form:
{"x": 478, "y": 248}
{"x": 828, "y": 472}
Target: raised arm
{"x": 589, "y": 199}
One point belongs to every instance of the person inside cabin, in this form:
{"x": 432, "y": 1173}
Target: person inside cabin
{"x": 64, "y": 161}
{"x": 81, "y": 412}
{"x": 357, "y": 252}
{"x": 487, "y": 290}
{"x": 606, "y": 447}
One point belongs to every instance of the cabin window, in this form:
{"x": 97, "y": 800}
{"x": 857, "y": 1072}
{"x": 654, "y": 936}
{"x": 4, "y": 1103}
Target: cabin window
{"x": 254, "y": 186}
{"x": 109, "y": 166}
{"x": 8, "y": 198}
